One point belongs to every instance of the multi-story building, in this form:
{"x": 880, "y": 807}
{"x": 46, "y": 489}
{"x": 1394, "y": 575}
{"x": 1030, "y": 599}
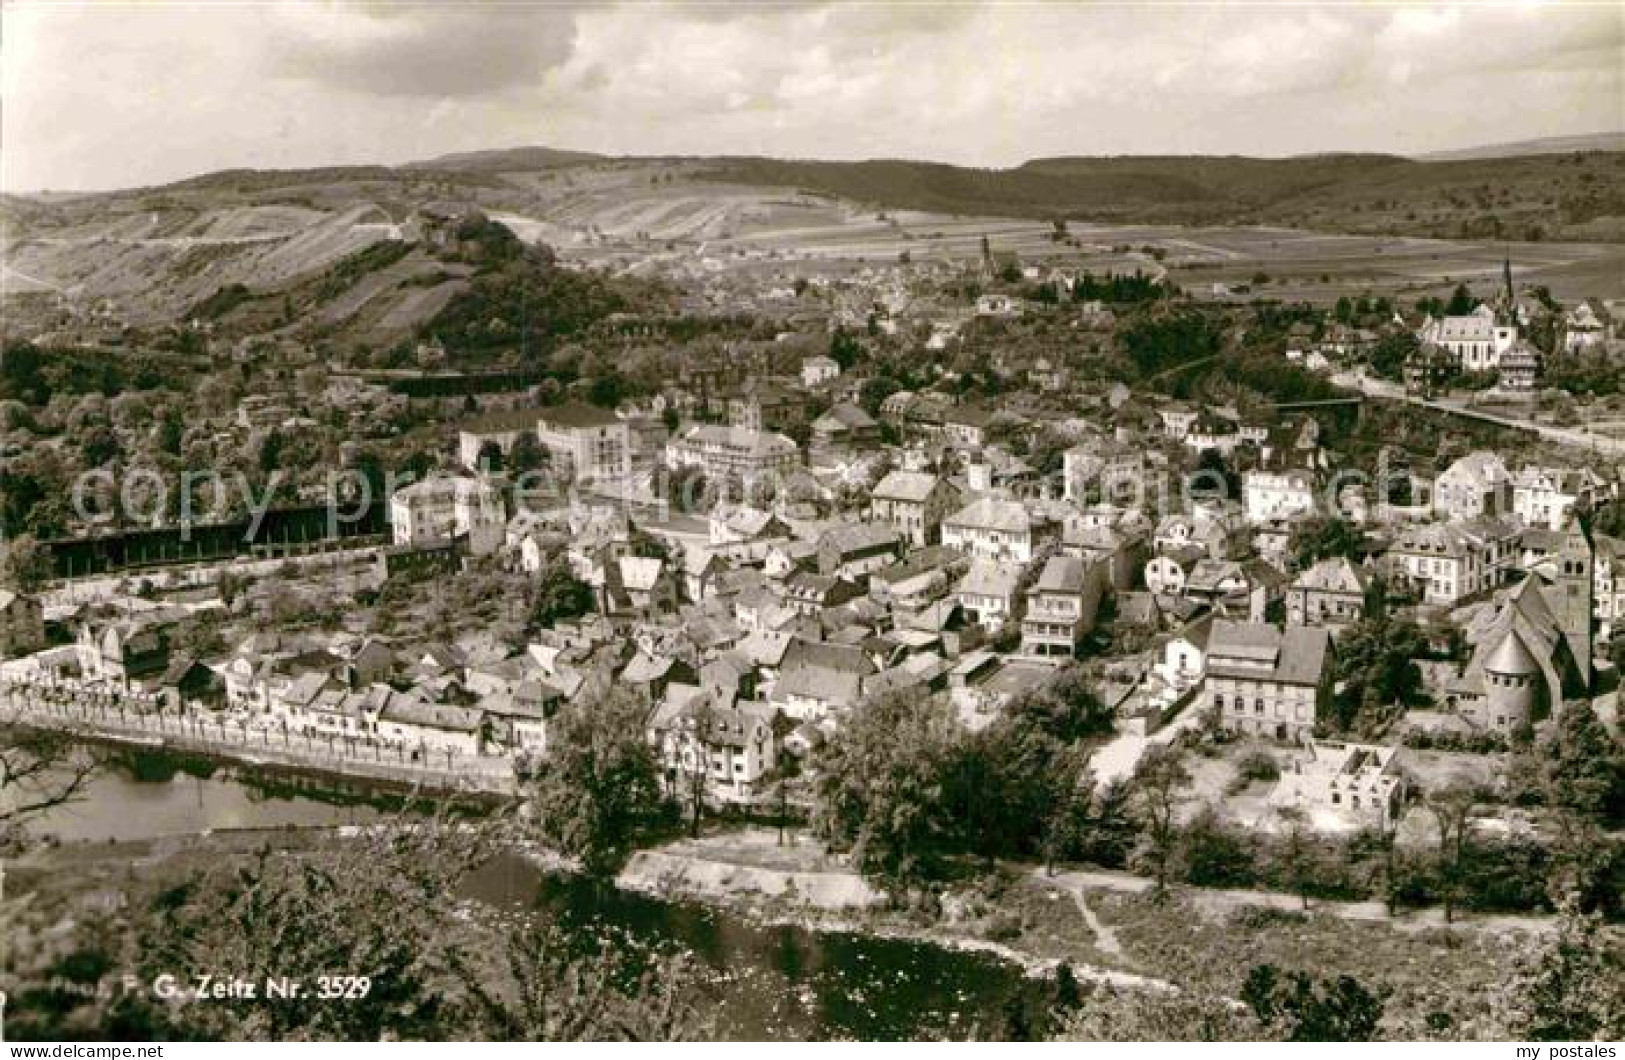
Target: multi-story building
{"x": 1608, "y": 583}
{"x": 844, "y": 430}
{"x": 767, "y": 406}
{"x": 914, "y": 504}
{"x": 1474, "y": 341}
{"x": 992, "y": 529}
{"x": 854, "y": 552}
{"x": 988, "y": 592}
{"x": 1447, "y": 562}
{"x": 816, "y": 371}
{"x": 733, "y": 454}
{"x": 500, "y": 429}
{"x": 441, "y": 508}
{"x": 1061, "y": 607}
{"x": 1117, "y": 471}
{"x": 1331, "y": 593}
{"x": 1585, "y": 328}
{"x": 1473, "y": 487}
{"x": 722, "y": 744}
{"x": 1270, "y": 495}
{"x": 127, "y": 651}
{"x": 1544, "y": 496}
{"x": 594, "y": 443}
{"x": 1532, "y": 644}
{"x": 1267, "y": 682}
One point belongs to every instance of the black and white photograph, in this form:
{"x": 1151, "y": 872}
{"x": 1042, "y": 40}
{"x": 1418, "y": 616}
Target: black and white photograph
{"x": 811, "y": 521}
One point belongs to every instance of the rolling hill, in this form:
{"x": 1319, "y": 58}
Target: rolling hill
{"x": 1545, "y": 196}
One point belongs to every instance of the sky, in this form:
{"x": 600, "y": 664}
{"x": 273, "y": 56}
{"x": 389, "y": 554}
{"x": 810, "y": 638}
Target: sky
{"x": 105, "y": 95}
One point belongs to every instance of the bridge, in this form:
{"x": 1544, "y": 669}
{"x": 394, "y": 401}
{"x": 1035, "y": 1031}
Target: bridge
{"x": 1385, "y": 391}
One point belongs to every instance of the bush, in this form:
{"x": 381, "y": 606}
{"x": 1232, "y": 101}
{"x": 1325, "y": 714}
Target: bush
{"x": 1258, "y": 765}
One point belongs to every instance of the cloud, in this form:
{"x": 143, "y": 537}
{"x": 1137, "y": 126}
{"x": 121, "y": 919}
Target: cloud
{"x": 99, "y": 96}
{"x": 423, "y": 52}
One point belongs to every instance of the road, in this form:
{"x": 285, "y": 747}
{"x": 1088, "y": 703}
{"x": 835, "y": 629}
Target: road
{"x": 1378, "y": 388}
{"x": 136, "y": 719}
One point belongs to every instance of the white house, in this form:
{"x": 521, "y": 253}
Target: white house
{"x": 991, "y": 529}
{"x": 1268, "y": 495}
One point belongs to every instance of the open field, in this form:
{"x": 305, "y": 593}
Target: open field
{"x": 157, "y": 251}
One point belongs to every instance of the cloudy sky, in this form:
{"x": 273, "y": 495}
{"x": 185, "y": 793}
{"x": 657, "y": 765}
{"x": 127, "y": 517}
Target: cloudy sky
{"x": 99, "y": 95}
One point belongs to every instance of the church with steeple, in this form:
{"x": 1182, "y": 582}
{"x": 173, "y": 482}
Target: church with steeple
{"x": 1489, "y": 339}
{"x": 1532, "y": 644}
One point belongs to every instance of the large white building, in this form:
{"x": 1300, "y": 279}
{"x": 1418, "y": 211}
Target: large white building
{"x": 733, "y": 453}
{"x": 1475, "y": 341}
{"x": 595, "y": 444}
{"x": 1449, "y": 561}
{"x": 446, "y": 506}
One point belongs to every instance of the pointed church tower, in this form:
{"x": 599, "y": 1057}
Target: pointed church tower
{"x": 1576, "y": 559}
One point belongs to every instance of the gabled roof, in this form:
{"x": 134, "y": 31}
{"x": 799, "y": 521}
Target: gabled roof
{"x": 1336, "y": 574}
{"x": 990, "y": 513}
{"x": 911, "y": 486}
{"x": 988, "y": 578}
{"x": 1062, "y": 574}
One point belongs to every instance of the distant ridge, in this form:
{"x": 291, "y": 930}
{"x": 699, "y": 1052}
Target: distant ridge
{"x": 508, "y": 159}
{"x": 1551, "y": 145}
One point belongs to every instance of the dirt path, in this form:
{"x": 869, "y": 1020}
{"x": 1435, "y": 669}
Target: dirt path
{"x": 1223, "y": 902}
{"x": 1105, "y": 937}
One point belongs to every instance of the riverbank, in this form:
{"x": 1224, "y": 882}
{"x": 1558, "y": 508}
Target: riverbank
{"x": 748, "y": 874}
{"x": 1106, "y": 927}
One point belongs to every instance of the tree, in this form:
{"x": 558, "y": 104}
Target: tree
{"x": 1310, "y": 1009}
{"x": 25, "y": 564}
{"x": 1297, "y": 853}
{"x": 490, "y": 456}
{"x": 378, "y": 906}
{"x": 1321, "y": 537}
{"x": 1461, "y": 302}
{"x": 39, "y": 771}
{"x": 694, "y": 760}
{"x": 1569, "y": 987}
{"x": 1068, "y": 817}
{"x": 1392, "y": 352}
{"x": 1451, "y": 808}
{"x": 559, "y": 596}
{"x": 600, "y": 782}
{"x": 1156, "y": 794}
{"x": 1377, "y": 673}
{"x": 880, "y": 789}
{"x": 1583, "y": 765}
{"x": 374, "y": 907}
{"x": 527, "y": 455}
{"x": 548, "y": 991}
{"x": 784, "y": 779}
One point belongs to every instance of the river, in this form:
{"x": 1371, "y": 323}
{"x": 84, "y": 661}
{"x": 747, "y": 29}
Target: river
{"x": 765, "y": 983}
